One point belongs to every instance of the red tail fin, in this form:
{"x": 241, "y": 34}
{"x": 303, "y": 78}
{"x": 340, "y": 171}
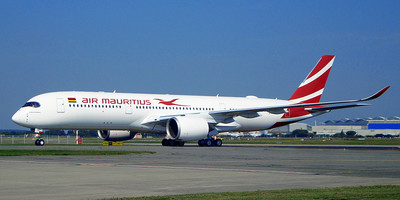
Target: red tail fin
{"x": 311, "y": 89}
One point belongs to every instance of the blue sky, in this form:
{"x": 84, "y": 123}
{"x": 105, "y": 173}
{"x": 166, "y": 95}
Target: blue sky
{"x": 231, "y": 48}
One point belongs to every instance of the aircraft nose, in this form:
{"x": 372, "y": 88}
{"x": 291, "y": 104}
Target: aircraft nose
{"x": 18, "y": 118}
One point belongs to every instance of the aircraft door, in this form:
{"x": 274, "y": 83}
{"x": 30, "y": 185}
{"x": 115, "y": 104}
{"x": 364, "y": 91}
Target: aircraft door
{"x": 128, "y": 109}
{"x": 60, "y": 105}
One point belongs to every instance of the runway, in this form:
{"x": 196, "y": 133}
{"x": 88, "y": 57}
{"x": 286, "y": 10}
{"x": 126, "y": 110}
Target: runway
{"x": 190, "y": 169}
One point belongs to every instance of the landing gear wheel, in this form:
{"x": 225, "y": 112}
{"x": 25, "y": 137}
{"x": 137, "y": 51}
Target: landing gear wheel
{"x": 39, "y": 142}
{"x": 201, "y": 143}
{"x": 168, "y": 142}
{"x": 165, "y": 142}
{"x": 172, "y": 143}
{"x": 181, "y": 143}
{"x": 209, "y": 142}
{"x": 218, "y": 142}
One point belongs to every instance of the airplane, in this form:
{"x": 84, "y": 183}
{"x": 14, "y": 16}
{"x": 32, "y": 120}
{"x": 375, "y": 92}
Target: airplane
{"x": 236, "y": 134}
{"x": 119, "y": 116}
{"x": 254, "y": 134}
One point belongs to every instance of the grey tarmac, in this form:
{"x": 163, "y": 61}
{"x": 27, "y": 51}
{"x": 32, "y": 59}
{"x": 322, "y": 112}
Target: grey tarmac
{"x": 190, "y": 169}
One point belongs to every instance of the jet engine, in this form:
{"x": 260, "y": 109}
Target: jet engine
{"x": 187, "y": 128}
{"x": 116, "y": 135}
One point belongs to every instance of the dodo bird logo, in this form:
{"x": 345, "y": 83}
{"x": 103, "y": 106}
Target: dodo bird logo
{"x": 169, "y": 103}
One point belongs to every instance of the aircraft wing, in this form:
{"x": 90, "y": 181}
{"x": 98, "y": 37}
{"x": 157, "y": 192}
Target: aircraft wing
{"x": 279, "y": 109}
{"x": 221, "y": 115}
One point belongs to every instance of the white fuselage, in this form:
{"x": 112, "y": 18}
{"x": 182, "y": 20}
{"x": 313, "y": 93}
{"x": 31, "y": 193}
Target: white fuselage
{"x": 130, "y": 111}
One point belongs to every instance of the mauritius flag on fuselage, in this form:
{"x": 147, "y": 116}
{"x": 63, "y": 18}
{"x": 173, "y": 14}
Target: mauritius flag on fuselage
{"x": 71, "y": 100}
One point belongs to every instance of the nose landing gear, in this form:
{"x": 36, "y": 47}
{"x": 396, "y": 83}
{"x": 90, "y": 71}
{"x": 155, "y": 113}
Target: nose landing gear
{"x": 37, "y": 132}
{"x": 39, "y": 142}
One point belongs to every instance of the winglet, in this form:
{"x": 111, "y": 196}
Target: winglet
{"x": 376, "y": 95}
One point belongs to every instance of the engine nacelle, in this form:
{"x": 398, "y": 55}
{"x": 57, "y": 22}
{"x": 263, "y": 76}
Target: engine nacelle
{"x": 187, "y": 128}
{"x": 115, "y": 135}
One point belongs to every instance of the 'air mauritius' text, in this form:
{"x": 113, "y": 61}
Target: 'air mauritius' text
{"x": 117, "y": 101}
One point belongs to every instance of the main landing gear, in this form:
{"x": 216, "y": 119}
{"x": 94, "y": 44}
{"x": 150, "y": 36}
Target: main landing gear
{"x": 202, "y": 143}
{"x": 168, "y": 142}
{"x": 210, "y": 142}
{"x": 39, "y": 142}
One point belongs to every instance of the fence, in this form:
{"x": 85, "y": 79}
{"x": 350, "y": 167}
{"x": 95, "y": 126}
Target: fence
{"x": 17, "y": 139}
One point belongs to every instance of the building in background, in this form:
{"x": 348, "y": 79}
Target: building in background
{"x": 364, "y": 127}
{"x": 290, "y": 128}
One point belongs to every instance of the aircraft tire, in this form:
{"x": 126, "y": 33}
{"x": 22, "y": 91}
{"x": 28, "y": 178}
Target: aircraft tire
{"x": 165, "y": 142}
{"x": 181, "y": 143}
{"x": 41, "y": 142}
{"x": 201, "y": 143}
{"x": 208, "y": 142}
{"x": 172, "y": 142}
{"x": 218, "y": 142}
{"x": 37, "y": 142}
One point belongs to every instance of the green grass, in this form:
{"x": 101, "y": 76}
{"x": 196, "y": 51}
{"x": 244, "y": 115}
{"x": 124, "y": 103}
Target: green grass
{"x": 385, "y": 192}
{"x": 14, "y": 152}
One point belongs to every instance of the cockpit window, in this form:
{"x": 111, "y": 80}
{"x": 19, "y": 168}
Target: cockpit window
{"x": 32, "y": 104}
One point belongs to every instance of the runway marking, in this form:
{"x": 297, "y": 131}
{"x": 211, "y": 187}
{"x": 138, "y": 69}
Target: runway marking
{"x": 163, "y": 167}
